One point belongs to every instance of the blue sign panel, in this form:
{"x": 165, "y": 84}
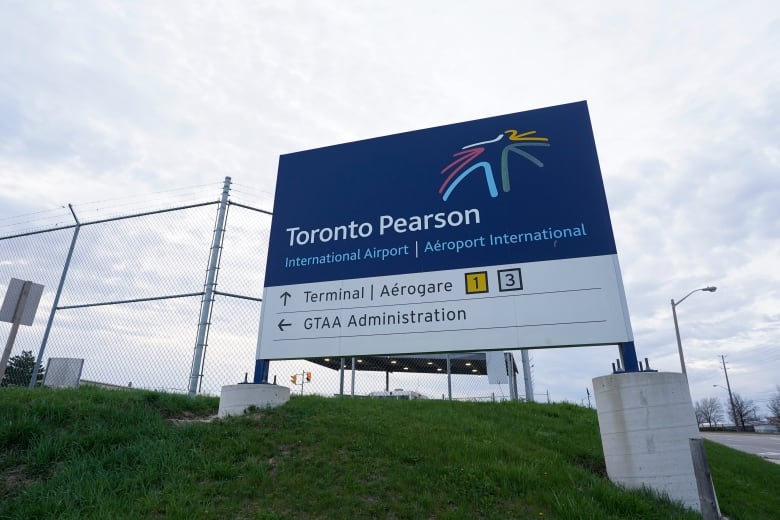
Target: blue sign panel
{"x": 517, "y": 188}
{"x": 483, "y": 235}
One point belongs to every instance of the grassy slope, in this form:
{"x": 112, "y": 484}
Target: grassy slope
{"x": 93, "y": 453}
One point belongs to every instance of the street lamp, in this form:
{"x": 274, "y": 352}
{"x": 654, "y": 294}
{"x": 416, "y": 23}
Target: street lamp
{"x": 677, "y": 327}
{"x": 731, "y": 400}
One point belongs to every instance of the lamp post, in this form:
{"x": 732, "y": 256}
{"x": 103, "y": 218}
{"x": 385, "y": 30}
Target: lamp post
{"x": 733, "y": 408}
{"x": 677, "y": 327}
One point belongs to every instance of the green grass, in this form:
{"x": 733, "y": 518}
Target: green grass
{"x": 747, "y": 480}
{"x": 93, "y": 453}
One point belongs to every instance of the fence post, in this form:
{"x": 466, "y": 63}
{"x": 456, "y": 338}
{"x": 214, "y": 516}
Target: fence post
{"x": 449, "y": 378}
{"x": 56, "y": 301}
{"x": 207, "y": 303}
{"x": 341, "y": 377}
{"x": 352, "y": 392}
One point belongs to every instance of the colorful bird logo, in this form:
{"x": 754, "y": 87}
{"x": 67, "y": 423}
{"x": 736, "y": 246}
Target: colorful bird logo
{"x": 464, "y": 161}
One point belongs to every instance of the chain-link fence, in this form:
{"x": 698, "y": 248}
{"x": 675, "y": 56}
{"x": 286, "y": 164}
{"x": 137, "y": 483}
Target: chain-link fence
{"x": 132, "y": 294}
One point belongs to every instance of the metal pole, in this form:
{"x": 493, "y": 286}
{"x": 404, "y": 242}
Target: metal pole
{"x": 56, "y": 301}
{"x": 449, "y": 378}
{"x": 16, "y": 320}
{"x": 208, "y": 296}
{"x": 529, "y": 384}
{"x": 628, "y": 357}
{"x": 709, "y": 288}
{"x": 677, "y": 333}
{"x": 341, "y": 377}
{"x": 353, "y": 378}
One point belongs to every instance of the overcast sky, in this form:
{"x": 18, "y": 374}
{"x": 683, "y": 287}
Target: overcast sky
{"x": 101, "y": 100}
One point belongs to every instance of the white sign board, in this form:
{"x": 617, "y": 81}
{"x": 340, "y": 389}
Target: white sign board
{"x": 561, "y": 303}
{"x": 11, "y": 301}
{"x": 497, "y": 367}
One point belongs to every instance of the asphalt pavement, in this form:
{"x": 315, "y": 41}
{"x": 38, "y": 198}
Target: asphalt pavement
{"x": 766, "y": 445}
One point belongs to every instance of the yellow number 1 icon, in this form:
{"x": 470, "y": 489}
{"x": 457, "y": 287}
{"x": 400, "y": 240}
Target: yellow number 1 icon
{"x": 476, "y": 282}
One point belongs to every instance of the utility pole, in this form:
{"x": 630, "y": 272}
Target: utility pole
{"x": 731, "y": 398}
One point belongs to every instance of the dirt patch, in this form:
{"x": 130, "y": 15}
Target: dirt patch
{"x": 181, "y": 421}
{"x": 14, "y": 479}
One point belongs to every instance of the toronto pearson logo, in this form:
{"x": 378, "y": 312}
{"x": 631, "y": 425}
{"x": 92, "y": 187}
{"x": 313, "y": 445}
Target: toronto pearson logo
{"x": 465, "y": 161}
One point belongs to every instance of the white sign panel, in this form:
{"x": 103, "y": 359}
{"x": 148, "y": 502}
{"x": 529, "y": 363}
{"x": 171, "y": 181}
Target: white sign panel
{"x": 541, "y": 304}
{"x": 12, "y": 299}
{"x": 497, "y": 367}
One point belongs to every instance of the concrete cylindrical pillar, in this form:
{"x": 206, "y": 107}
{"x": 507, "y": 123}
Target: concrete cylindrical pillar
{"x": 646, "y": 420}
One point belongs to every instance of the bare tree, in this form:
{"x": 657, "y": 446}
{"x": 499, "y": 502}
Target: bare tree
{"x": 774, "y": 407}
{"x": 708, "y": 410}
{"x": 744, "y": 410}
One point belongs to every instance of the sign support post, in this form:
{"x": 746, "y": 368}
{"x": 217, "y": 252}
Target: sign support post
{"x": 18, "y": 308}
{"x": 17, "y": 320}
{"x": 628, "y": 356}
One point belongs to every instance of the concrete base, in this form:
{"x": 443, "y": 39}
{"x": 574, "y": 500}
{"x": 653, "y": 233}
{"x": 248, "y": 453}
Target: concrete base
{"x": 235, "y": 399}
{"x": 646, "y": 420}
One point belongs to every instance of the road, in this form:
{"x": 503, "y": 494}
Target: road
{"x": 762, "y": 444}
